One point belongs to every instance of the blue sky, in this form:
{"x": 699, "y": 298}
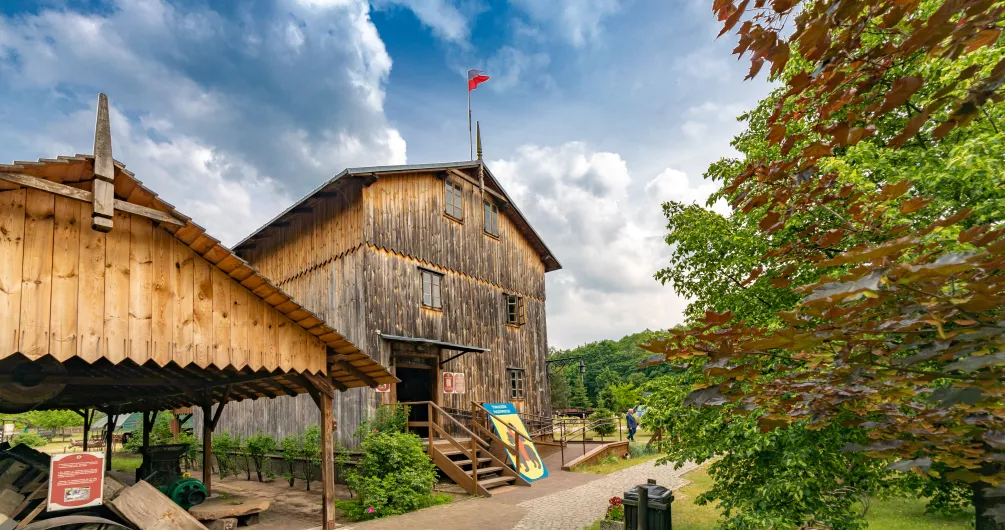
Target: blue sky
{"x": 596, "y": 112}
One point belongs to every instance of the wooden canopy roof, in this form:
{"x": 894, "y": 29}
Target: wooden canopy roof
{"x": 457, "y": 168}
{"x": 54, "y": 309}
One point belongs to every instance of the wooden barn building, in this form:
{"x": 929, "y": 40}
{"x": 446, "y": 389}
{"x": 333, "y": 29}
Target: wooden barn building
{"x": 428, "y": 269}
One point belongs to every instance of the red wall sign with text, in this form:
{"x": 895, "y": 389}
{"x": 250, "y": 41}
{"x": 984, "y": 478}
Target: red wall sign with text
{"x": 448, "y": 382}
{"x": 76, "y": 480}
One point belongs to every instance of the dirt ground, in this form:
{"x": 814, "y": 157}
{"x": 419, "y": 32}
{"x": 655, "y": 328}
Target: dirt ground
{"x": 292, "y": 508}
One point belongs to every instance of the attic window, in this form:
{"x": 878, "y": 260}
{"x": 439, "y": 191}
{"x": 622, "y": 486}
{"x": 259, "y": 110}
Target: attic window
{"x": 453, "y": 201}
{"x": 491, "y": 219}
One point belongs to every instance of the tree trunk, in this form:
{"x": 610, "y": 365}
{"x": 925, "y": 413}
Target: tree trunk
{"x": 987, "y": 502}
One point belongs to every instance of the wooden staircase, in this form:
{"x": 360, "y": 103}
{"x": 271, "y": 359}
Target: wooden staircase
{"x": 463, "y": 456}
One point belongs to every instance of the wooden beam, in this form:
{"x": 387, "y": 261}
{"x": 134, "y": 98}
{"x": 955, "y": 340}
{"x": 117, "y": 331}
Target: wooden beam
{"x": 460, "y": 174}
{"x": 63, "y": 190}
{"x": 359, "y": 374}
{"x": 104, "y": 171}
{"x": 322, "y": 384}
{"x": 219, "y": 408}
{"x": 148, "y": 212}
{"x": 109, "y": 431}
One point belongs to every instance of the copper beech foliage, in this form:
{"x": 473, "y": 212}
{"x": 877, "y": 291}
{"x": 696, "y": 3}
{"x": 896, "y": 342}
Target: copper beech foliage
{"x": 905, "y": 338}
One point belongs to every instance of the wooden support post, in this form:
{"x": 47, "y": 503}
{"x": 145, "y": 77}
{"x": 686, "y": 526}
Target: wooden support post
{"x": 327, "y": 463}
{"x": 516, "y": 436}
{"x": 109, "y": 432}
{"x": 209, "y": 421}
{"x": 207, "y": 448}
{"x": 104, "y": 171}
{"x": 88, "y": 415}
{"x": 148, "y": 425}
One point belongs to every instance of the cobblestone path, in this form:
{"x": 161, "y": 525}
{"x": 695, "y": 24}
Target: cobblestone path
{"x": 575, "y": 508}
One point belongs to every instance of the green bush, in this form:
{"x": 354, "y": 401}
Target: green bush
{"x": 30, "y": 439}
{"x": 311, "y": 452}
{"x": 224, "y": 447}
{"x": 607, "y": 427}
{"x": 258, "y": 446}
{"x": 638, "y": 449}
{"x": 293, "y": 450}
{"x": 609, "y": 460}
{"x": 395, "y": 476}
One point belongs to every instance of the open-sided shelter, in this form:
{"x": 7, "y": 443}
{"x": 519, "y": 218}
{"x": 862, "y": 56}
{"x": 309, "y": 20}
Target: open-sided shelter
{"x": 110, "y": 299}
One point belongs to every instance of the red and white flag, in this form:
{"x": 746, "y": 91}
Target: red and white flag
{"x": 475, "y": 77}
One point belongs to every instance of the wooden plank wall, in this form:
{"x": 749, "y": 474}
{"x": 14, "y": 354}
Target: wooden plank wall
{"x": 135, "y": 292}
{"x": 369, "y": 281}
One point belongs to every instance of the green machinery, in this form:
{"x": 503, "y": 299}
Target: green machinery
{"x": 162, "y": 468}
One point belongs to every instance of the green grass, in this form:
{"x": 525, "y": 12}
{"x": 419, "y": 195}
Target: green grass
{"x": 890, "y": 514}
{"x": 609, "y": 465}
{"x": 126, "y": 462}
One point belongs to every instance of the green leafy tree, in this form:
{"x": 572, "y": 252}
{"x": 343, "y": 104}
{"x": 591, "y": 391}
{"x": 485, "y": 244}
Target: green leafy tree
{"x": 293, "y": 452}
{"x": 847, "y": 311}
{"x": 225, "y": 448}
{"x": 311, "y": 452}
{"x": 561, "y": 392}
{"x": 579, "y": 399}
{"x": 259, "y": 447}
{"x": 624, "y": 396}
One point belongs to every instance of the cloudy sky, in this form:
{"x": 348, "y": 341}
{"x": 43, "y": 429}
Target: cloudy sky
{"x": 596, "y": 112}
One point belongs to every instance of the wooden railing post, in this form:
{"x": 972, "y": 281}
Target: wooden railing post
{"x": 429, "y": 427}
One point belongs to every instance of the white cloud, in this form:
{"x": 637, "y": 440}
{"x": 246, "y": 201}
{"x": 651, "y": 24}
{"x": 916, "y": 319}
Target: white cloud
{"x": 511, "y": 68}
{"x": 578, "y": 21}
{"x": 443, "y": 17}
{"x": 607, "y": 234}
{"x": 228, "y": 115}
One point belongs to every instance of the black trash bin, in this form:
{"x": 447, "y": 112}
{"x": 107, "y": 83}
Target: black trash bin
{"x": 658, "y": 512}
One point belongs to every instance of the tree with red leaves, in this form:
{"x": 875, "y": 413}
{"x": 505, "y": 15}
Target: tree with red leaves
{"x": 898, "y": 330}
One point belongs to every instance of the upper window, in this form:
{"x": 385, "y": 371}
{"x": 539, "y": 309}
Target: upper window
{"x": 516, "y": 389}
{"x": 514, "y": 310}
{"x": 491, "y": 219}
{"x": 431, "y": 289}
{"x": 453, "y": 201}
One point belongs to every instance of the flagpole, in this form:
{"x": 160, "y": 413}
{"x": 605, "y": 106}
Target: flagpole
{"x": 471, "y": 149}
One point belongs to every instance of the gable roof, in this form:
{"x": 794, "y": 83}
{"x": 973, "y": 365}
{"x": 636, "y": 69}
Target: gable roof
{"x": 348, "y": 365}
{"x": 522, "y": 224}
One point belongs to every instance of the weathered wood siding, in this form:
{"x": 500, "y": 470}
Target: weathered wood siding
{"x": 364, "y": 279}
{"x": 134, "y": 293}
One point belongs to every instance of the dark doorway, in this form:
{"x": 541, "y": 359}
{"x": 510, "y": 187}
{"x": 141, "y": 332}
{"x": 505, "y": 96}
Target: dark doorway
{"x": 416, "y": 385}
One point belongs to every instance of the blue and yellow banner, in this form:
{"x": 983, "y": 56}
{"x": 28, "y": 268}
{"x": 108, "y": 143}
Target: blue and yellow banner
{"x": 507, "y": 422}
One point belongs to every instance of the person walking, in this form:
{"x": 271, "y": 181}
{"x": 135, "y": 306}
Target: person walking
{"x": 632, "y": 423}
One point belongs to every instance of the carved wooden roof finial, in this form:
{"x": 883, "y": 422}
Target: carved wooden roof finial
{"x": 104, "y": 170}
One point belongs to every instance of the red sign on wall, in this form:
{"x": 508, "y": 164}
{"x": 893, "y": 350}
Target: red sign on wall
{"x": 448, "y": 382}
{"x": 384, "y": 387}
{"x": 76, "y": 480}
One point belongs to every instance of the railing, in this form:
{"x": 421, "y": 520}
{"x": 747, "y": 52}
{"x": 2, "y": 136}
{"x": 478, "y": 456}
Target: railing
{"x": 433, "y": 427}
{"x": 566, "y": 436}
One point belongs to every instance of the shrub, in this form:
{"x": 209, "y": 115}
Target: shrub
{"x": 30, "y": 439}
{"x": 224, "y": 447}
{"x": 395, "y": 476}
{"x": 607, "y": 427}
{"x": 638, "y": 450}
{"x": 609, "y": 460}
{"x": 258, "y": 446}
{"x": 293, "y": 450}
{"x": 311, "y": 451}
